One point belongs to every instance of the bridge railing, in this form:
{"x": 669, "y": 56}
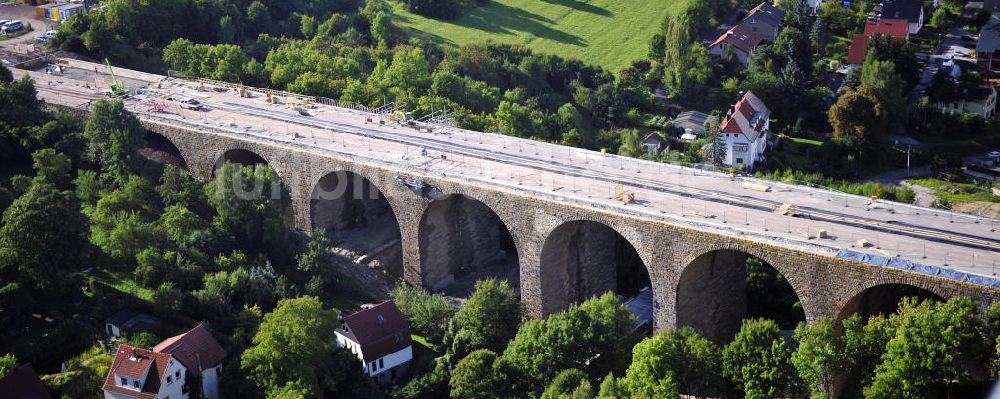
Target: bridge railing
{"x": 279, "y": 93}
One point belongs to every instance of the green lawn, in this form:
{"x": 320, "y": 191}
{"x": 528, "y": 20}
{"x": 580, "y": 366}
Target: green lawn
{"x": 956, "y": 192}
{"x": 123, "y": 282}
{"x": 609, "y": 33}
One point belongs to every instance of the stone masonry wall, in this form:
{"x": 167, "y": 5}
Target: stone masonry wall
{"x": 824, "y": 284}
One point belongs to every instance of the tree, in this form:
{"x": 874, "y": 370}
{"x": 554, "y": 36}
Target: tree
{"x": 114, "y": 135}
{"x": 683, "y": 357}
{"x": 53, "y": 167}
{"x": 857, "y": 115}
{"x": 886, "y": 86}
{"x": 631, "y": 143}
{"x": 5, "y": 75}
{"x": 489, "y": 319}
{"x": 592, "y": 337}
{"x": 569, "y": 384}
{"x": 941, "y": 18}
{"x": 757, "y": 361}
{"x": 43, "y": 238}
{"x": 613, "y": 388}
{"x": 480, "y": 375}
{"x": 820, "y": 357}
{"x": 925, "y": 353}
{"x": 8, "y": 363}
{"x": 249, "y": 202}
{"x": 428, "y": 313}
{"x": 293, "y": 343}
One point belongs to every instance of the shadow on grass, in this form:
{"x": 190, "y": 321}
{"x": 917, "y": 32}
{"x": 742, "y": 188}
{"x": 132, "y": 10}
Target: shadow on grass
{"x": 582, "y": 6}
{"x": 499, "y": 18}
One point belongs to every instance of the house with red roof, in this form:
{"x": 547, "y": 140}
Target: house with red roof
{"x": 138, "y": 373}
{"x": 745, "y": 131}
{"x": 739, "y": 40}
{"x": 380, "y": 337}
{"x": 894, "y": 28}
{"x": 201, "y": 354}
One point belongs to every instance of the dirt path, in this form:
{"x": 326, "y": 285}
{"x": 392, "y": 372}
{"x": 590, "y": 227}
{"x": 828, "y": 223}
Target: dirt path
{"x": 924, "y": 196}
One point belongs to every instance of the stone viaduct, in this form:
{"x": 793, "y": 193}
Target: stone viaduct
{"x": 565, "y": 252}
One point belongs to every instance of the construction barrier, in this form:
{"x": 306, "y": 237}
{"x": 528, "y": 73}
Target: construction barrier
{"x": 906, "y": 264}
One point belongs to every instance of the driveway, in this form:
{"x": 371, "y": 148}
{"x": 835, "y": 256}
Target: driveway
{"x": 951, "y": 46}
{"x": 27, "y": 14}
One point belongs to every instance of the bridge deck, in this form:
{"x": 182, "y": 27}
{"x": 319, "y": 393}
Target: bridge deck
{"x": 677, "y": 195}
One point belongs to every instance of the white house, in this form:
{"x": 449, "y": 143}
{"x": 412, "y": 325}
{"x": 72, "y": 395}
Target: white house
{"x": 744, "y": 131}
{"x": 138, "y": 373}
{"x": 199, "y": 352}
{"x": 966, "y": 97}
{"x": 740, "y": 41}
{"x": 380, "y": 337}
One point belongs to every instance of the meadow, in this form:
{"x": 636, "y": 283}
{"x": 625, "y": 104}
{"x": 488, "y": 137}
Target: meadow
{"x": 609, "y": 33}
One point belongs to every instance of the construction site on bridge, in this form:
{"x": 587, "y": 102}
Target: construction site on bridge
{"x": 814, "y": 218}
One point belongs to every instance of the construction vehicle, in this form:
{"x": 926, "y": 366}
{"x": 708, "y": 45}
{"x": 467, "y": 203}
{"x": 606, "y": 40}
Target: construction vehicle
{"x": 117, "y": 88}
{"x": 623, "y": 196}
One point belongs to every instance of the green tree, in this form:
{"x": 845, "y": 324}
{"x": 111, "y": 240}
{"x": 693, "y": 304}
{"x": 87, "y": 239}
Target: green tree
{"x": 489, "y": 319}
{"x": 613, "y": 388}
{"x": 8, "y": 363}
{"x": 480, "y": 375}
{"x": 249, "y": 203}
{"x": 886, "y": 87}
{"x": 925, "y": 353}
{"x": 428, "y": 313}
{"x": 592, "y": 336}
{"x": 293, "y": 343}
{"x": 758, "y": 361}
{"x": 43, "y": 238}
{"x": 819, "y": 358}
{"x": 941, "y": 18}
{"x": 179, "y": 223}
{"x": 53, "y": 167}
{"x": 114, "y": 135}
{"x": 631, "y": 143}
{"x": 683, "y": 357}
{"x": 569, "y": 384}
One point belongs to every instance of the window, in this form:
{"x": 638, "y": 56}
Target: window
{"x": 739, "y": 147}
{"x": 124, "y": 381}
{"x": 135, "y": 383}
{"x": 739, "y": 160}
{"x": 169, "y": 379}
{"x": 381, "y": 363}
{"x": 177, "y": 374}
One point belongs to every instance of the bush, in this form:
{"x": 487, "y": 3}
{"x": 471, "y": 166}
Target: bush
{"x": 428, "y": 313}
{"x": 870, "y": 189}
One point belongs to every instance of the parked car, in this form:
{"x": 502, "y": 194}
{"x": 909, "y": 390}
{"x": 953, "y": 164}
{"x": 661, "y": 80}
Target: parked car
{"x": 190, "y": 103}
{"x": 994, "y": 155}
{"x": 12, "y": 26}
{"x": 45, "y": 36}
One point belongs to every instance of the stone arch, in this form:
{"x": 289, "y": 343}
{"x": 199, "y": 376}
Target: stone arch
{"x": 245, "y": 155}
{"x": 574, "y": 263}
{"x": 462, "y": 239}
{"x": 161, "y": 149}
{"x": 359, "y": 217}
{"x": 712, "y": 293}
{"x": 882, "y": 297}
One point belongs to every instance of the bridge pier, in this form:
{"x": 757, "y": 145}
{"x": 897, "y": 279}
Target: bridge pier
{"x": 823, "y": 283}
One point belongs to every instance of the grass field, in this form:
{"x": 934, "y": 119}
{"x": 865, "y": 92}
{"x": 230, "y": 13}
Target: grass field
{"x": 956, "y": 192}
{"x": 609, "y": 33}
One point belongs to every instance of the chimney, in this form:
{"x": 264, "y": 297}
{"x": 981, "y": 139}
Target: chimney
{"x": 133, "y": 356}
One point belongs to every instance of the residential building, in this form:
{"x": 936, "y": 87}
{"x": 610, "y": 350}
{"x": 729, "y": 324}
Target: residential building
{"x": 740, "y": 40}
{"x": 968, "y": 97}
{"x": 988, "y": 47}
{"x": 745, "y": 131}
{"x": 23, "y": 383}
{"x": 654, "y": 143}
{"x": 692, "y": 122}
{"x": 764, "y": 20}
{"x": 125, "y": 320}
{"x": 201, "y": 354}
{"x": 380, "y": 337}
{"x": 910, "y": 10}
{"x": 138, "y": 373}
{"x": 894, "y": 28}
